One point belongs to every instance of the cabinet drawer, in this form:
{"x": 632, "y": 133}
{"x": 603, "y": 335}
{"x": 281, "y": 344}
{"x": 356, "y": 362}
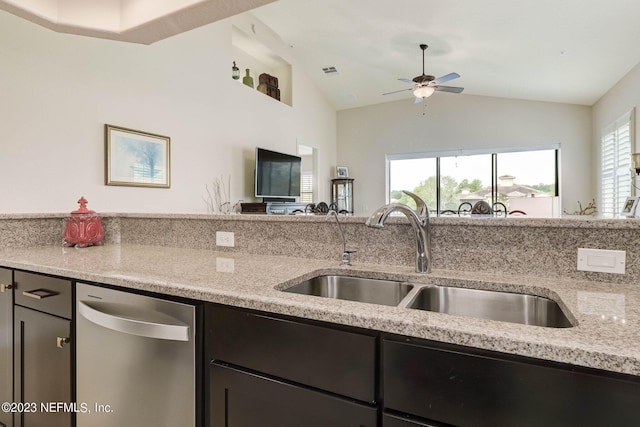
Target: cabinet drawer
{"x": 338, "y": 361}
{"x": 44, "y": 293}
{"x": 467, "y": 387}
{"x": 242, "y": 399}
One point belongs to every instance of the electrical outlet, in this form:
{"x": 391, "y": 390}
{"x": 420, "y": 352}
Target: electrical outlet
{"x": 225, "y": 238}
{"x": 601, "y": 260}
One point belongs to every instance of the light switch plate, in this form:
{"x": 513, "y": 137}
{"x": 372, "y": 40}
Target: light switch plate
{"x": 601, "y": 260}
{"x": 225, "y": 238}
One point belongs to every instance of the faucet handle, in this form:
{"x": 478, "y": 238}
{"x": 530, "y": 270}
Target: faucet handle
{"x": 421, "y": 207}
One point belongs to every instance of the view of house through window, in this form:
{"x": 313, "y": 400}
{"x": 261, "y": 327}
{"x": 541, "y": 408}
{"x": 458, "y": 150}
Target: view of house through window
{"x": 526, "y": 182}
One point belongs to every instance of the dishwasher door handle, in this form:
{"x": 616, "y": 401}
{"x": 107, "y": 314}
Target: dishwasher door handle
{"x": 134, "y": 320}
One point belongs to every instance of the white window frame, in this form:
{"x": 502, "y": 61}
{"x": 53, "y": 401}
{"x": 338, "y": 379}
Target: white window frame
{"x": 617, "y": 143}
{"x": 469, "y": 152}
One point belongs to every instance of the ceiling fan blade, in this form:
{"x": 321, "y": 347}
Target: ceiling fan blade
{"x": 451, "y": 89}
{"x": 406, "y": 81}
{"x": 446, "y": 78}
{"x": 397, "y": 91}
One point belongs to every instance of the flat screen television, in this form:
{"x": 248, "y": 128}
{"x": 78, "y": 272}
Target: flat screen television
{"x": 277, "y": 175}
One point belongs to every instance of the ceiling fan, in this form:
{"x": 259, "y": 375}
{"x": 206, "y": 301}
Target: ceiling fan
{"x": 425, "y": 85}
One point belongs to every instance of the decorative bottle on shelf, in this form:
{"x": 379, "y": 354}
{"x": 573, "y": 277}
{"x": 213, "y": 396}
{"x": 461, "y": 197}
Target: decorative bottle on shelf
{"x": 235, "y": 71}
{"x": 248, "y": 80}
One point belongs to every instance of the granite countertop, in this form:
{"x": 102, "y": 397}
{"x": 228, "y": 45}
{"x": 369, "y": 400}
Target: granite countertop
{"x": 607, "y": 334}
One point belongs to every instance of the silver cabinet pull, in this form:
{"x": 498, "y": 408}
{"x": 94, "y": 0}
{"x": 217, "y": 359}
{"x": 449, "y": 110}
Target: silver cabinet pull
{"x": 61, "y": 341}
{"x": 4, "y": 288}
{"x": 39, "y": 293}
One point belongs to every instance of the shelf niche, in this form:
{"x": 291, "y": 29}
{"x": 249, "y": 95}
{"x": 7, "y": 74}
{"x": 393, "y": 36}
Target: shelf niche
{"x": 250, "y": 53}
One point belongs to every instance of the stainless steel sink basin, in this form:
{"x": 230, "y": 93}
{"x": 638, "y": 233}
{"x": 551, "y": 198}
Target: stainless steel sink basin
{"x": 494, "y": 305}
{"x": 384, "y": 292}
{"x": 460, "y": 301}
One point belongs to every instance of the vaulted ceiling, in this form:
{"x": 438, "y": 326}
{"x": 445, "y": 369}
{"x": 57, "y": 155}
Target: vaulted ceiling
{"x": 567, "y": 51}
{"x": 136, "y": 21}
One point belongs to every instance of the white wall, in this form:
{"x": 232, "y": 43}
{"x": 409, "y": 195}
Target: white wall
{"x": 57, "y": 91}
{"x": 451, "y": 122}
{"x": 624, "y": 96}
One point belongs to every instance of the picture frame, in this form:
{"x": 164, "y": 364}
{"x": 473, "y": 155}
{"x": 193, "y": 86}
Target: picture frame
{"x": 342, "y": 172}
{"x": 136, "y": 159}
{"x": 630, "y": 206}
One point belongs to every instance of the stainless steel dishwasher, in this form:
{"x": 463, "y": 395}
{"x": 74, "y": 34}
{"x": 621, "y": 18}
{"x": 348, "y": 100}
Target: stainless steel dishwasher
{"x": 135, "y": 360}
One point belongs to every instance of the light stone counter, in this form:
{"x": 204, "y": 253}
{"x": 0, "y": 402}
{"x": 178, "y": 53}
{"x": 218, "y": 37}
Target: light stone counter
{"x": 607, "y": 335}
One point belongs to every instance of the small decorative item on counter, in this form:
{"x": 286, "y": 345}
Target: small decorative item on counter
{"x": 248, "y": 80}
{"x": 235, "y": 71}
{"x": 83, "y": 228}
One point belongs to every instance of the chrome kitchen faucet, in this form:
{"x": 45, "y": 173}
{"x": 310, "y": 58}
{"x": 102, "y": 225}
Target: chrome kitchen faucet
{"x": 419, "y": 220}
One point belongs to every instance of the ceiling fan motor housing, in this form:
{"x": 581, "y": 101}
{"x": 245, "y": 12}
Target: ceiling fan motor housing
{"x": 423, "y": 79}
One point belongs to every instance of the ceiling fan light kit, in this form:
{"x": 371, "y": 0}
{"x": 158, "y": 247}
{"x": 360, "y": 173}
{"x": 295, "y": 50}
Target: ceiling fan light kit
{"x": 423, "y": 91}
{"x": 425, "y": 85}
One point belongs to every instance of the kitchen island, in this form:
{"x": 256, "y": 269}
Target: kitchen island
{"x": 606, "y": 316}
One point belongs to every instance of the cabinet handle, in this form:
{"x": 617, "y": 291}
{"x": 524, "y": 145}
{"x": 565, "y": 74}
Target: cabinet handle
{"x": 61, "y": 341}
{"x": 4, "y": 287}
{"x": 134, "y": 320}
{"x": 39, "y": 293}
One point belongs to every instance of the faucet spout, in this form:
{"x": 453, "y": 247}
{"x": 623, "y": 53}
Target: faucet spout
{"x": 419, "y": 220}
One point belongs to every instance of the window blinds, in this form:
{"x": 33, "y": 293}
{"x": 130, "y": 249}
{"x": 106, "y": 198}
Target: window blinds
{"x": 616, "y": 165}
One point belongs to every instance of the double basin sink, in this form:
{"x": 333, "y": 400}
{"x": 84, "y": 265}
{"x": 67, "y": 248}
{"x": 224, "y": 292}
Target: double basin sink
{"x": 485, "y": 304}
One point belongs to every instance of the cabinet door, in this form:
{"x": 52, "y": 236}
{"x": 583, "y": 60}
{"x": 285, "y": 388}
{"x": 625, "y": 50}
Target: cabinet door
{"x": 466, "y": 387}
{"x": 337, "y": 361}
{"x": 6, "y": 344}
{"x": 42, "y": 368}
{"x": 241, "y": 399}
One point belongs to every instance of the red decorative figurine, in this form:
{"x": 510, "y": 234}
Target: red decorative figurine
{"x": 83, "y": 228}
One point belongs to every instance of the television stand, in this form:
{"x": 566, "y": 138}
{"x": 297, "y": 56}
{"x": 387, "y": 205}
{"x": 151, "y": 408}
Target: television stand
{"x": 278, "y": 200}
{"x": 273, "y": 208}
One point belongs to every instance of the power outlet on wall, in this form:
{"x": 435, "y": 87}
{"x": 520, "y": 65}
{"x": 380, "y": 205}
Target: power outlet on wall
{"x": 225, "y": 238}
{"x": 601, "y": 260}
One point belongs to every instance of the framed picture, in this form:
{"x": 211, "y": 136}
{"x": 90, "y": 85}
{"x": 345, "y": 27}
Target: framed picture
{"x": 629, "y": 207}
{"x": 137, "y": 159}
{"x": 342, "y": 172}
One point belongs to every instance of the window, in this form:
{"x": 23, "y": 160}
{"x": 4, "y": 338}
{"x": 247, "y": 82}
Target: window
{"x": 308, "y": 169}
{"x": 615, "y": 166}
{"x": 306, "y": 190}
{"x": 523, "y": 179}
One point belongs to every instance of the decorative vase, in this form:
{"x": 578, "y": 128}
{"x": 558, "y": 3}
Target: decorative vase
{"x": 248, "y": 80}
{"x": 83, "y": 228}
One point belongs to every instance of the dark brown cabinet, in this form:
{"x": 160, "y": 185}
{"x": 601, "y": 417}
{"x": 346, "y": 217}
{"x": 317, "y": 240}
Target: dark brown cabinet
{"x": 454, "y": 385}
{"x": 6, "y": 344}
{"x": 272, "y": 370}
{"x": 42, "y": 350}
{"x": 245, "y": 399}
